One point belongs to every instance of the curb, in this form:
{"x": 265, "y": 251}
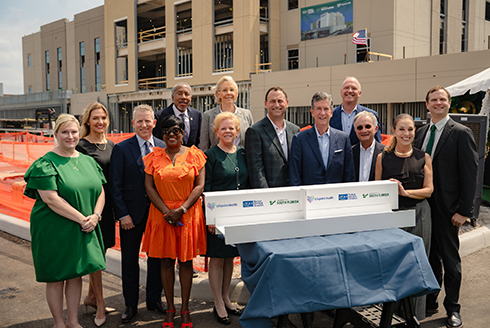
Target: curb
{"x": 470, "y": 242}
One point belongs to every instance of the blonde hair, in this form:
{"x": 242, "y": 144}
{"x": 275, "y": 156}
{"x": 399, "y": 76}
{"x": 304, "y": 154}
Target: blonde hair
{"x": 217, "y": 87}
{"x": 84, "y": 124}
{"x": 63, "y": 120}
{"x": 392, "y": 143}
{"x": 226, "y": 116}
{"x": 144, "y": 108}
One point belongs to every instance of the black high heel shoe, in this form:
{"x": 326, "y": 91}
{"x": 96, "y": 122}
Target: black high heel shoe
{"x": 223, "y": 320}
{"x": 236, "y": 311}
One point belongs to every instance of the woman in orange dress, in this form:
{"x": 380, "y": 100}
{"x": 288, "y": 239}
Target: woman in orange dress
{"x": 176, "y": 228}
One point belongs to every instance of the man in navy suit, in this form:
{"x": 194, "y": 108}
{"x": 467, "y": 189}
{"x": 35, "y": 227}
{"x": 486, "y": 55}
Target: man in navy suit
{"x": 366, "y": 151}
{"x": 343, "y": 116}
{"x": 131, "y": 204}
{"x": 181, "y": 98}
{"x": 321, "y": 154}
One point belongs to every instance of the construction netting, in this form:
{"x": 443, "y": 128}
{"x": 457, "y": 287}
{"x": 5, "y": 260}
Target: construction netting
{"x": 17, "y": 152}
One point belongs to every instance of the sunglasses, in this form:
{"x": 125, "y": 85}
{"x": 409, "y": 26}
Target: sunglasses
{"x": 175, "y": 131}
{"x": 367, "y": 126}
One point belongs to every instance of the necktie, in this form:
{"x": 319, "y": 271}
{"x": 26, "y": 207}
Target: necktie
{"x": 147, "y": 148}
{"x": 186, "y": 133}
{"x": 430, "y": 143}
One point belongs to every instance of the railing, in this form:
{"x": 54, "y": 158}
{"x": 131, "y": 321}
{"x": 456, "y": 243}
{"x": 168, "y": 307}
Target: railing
{"x": 184, "y": 74}
{"x": 152, "y": 34}
{"x": 262, "y": 67}
{"x": 223, "y": 70}
{"x": 379, "y": 54}
{"x": 225, "y": 22}
{"x": 152, "y": 83}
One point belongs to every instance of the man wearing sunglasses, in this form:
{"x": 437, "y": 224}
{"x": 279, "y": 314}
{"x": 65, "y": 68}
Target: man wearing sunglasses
{"x": 366, "y": 151}
{"x": 343, "y": 115}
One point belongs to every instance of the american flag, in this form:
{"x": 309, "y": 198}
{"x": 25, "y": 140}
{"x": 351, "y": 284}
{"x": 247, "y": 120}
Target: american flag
{"x": 360, "y": 37}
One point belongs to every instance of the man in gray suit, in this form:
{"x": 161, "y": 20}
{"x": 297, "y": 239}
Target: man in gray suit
{"x": 267, "y": 143}
{"x": 366, "y": 151}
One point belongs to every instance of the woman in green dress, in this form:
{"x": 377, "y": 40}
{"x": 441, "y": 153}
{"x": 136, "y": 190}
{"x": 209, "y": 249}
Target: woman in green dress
{"x": 66, "y": 239}
{"x": 225, "y": 170}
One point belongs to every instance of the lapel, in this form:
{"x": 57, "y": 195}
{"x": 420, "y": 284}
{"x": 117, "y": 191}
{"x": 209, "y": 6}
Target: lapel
{"x": 271, "y": 133}
{"x": 335, "y": 120}
{"x": 135, "y": 150}
{"x": 289, "y": 133}
{"x": 444, "y": 136}
{"x": 356, "y": 150}
{"x": 378, "y": 149}
{"x": 312, "y": 140}
{"x": 421, "y": 136}
{"x": 332, "y": 146}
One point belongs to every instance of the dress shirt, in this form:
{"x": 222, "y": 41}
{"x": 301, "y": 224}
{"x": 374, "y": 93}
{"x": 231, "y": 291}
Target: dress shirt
{"x": 237, "y": 140}
{"x": 187, "y": 123}
{"x": 323, "y": 142}
{"x": 365, "y": 161}
{"x": 439, "y": 128}
{"x": 141, "y": 143}
{"x": 281, "y": 134}
{"x": 347, "y": 119}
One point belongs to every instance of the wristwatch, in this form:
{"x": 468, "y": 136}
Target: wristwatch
{"x": 98, "y": 216}
{"x": 183, "y": 209}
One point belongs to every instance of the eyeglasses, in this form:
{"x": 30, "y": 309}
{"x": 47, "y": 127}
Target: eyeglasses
{"x": 367, "y": 126}
{"x": 175, "y": 131}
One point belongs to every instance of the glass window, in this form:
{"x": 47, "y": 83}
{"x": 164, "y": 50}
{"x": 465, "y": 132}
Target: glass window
{"x": 293, "y": 59}
{"x": 487, "y": 11}
{"x": 98, "y": 85}
{"x": 292, "y": 4}
{"x": 82, "y": 67}
{"x": 48, "y": 82}
{"x": 60, "y": 74}
{"x": 121, "y": 41}
{"x": 29, "y": 61}
{"x": 362, "y": 51}
{"x": 223, "y": 52}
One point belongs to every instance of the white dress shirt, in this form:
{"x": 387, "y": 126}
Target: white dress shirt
{"x": 439, "y": 128}
{"x": 365, "y": 161}
{"x": 323, "y": 142}
{"x": 281, "y": 134}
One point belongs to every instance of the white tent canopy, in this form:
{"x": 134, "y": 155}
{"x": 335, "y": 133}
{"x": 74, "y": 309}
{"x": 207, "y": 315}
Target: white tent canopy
{"x": 475, "y": 83}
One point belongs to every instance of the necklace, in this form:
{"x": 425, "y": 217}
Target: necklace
{"x": 173, "y": 154}
{"x": 74, "y": 166}
{"x": 95, "y": 143}
{"x": 105, "y": 146}
{"x": 408, "y": 153}
{"x": 237, "y": 169}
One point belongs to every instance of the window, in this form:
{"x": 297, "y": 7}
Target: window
{"x": 82, "y": 67}
{"x": 487, "y": 11}
{"x": 223, "y": 52}
{"x": 293, "y": 59}
{"x": 46, "y": 59}
{"x": 223, "y": 12}
{"x": 60, "y": 74}
{"x": 30, "y": 89}
{"x": 29, "y": 61}
{"x": 362, "y": 51}
{"x": 183, "y": 17}
{"x": 464, "y": 27}
{"x": 264, "y": 11}
{"x": 442, "y": 28}
{"x": 183, "y": 21}
{"x": 121, "y": 41}
{"x": 98, "y": 85}
{"x": 292, "y": 4}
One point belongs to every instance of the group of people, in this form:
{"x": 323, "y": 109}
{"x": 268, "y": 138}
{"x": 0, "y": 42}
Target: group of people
{"x": 151, "y": 184}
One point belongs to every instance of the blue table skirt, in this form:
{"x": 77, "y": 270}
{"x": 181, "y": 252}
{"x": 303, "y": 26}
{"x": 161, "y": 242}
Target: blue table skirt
{"x": 329, "y": 272}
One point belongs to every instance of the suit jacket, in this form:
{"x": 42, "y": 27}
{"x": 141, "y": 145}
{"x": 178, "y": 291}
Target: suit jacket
{"x": 195, "y": 120}
{"x": 127, "y": 180}
{"x": 455, "y": 169}
{"x": 208, "y": 137}
{"x": 306, "y": 163}
{"x": 336, "y": 123}
{"x": 356, "y": 151}
{"x": 266, "y": 162}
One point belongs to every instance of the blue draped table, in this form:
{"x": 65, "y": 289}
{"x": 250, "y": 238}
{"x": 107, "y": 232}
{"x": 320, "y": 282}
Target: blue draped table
{"x": 329, "y": 272}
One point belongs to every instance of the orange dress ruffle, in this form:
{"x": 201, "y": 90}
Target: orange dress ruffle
{"x": 174, "y": 184}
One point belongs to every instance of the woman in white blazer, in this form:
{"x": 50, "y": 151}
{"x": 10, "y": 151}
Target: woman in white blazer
{"x": 225, "y": 94}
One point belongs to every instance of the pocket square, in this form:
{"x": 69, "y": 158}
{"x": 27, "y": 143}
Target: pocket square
{"x": 338, "y": 150}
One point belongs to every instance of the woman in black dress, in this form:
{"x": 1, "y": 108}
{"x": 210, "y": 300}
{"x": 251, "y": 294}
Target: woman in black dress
{"x": 93, "y": 142}
{"x": 225, "y": 170}
{"x": 411, "y": 168}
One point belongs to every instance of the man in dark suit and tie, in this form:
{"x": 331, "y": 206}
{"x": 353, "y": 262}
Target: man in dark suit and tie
{"x": 454, "y": 160}
{"x": 268, "y": 141}
{"x": 366, "y": 151}
{"x": 131, "y": 204}
{"x": 321, "y": 154}
{"x": 343, "y": 116}
{"x": 180, "y": 107}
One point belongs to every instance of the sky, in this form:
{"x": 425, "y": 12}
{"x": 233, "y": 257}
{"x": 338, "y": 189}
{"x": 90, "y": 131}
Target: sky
{"x": 24, "y": 17}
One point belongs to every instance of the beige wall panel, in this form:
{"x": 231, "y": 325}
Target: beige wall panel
{"x": 71, "y": 53}
{"x": 486, "y": 43}
{"x": 275, "y": 34}
{"x": 329, "y": 51}
{"x": 115, "y": 10}
{"x": 204, "y": 41}
{"x": 435, "y": 27}
{"x": 80, "y": 100}
{"x": 170, "y": 39}
{"x": 453, "y": 32}
{"x": 246, "y": 37}
{"x": 290, "y": 27}
{"x": 33, "y": 76}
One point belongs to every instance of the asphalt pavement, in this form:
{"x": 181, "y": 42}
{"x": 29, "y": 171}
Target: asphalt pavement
{"x": 23, "y": 303}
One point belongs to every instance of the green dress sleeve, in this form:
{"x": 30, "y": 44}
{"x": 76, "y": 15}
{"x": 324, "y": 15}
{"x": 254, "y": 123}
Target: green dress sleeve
{"x": 40, "y": 175}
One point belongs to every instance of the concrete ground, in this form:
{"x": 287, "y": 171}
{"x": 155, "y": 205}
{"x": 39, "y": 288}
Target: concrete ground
{"x": 23, "y": 303}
